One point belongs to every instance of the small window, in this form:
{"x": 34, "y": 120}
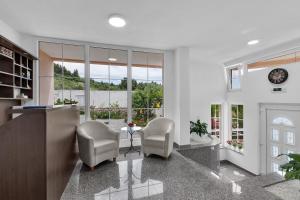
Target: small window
{"x": 235, "y": 79}
{"x": 216, "y": 119}
{"x": 237, "y": 123}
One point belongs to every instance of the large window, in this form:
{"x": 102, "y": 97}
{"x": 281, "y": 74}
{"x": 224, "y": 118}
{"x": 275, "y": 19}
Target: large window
{"x": 147, "y": 87}
{"x": 237, "y": 123}
{"x": 61, "y": 72}
{"x": 108, "y": 86}
{"x": 118, "y": 92}
{"x": 216, "y": 119}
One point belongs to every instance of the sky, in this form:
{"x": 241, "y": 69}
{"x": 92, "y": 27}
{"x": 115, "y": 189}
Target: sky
{"x": 101, "y": 72}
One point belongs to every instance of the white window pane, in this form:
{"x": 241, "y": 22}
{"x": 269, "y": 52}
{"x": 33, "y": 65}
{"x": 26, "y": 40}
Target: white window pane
{"x": 290, "y": 138}
{"x": 235, "y": 79}
{"x": 275, "y": 167}
{"x": 118, "y": 72}
{"x": 155, "y": 74}
{"x": 99, "y": 71}
{"x": 275, "y": 134}
{"x": 275, "y": 151}
{"x": 139, "y": 73}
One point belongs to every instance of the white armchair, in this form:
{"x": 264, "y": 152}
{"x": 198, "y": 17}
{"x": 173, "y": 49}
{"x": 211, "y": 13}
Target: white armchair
{"x": 158, "y": 137}
{"x": 97, "y": 143}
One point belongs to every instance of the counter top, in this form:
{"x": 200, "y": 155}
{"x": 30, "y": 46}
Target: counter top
{"x": 21, "y": 109}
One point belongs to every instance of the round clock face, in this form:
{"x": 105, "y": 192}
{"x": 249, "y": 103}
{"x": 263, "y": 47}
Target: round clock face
{"x": 278, "y": 76}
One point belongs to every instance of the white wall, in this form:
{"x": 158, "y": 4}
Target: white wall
{"x": 9, "y": 33}
{"x": 207, "y": 86}
{"x": 257, "y": 89}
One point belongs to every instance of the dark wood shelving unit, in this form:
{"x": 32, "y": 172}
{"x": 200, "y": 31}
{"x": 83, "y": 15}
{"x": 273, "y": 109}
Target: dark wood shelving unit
{"x": 16, "y": 71}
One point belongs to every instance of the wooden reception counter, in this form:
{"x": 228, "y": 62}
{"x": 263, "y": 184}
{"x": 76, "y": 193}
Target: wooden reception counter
{"x": 38, "y": 153}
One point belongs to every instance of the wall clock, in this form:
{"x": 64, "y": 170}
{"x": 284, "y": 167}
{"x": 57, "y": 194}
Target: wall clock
{"x": 278, "y": 76}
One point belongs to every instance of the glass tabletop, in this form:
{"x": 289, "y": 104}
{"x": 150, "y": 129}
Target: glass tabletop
{"x": 135, "y": 128}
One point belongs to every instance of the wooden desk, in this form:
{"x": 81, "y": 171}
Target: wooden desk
{"x": 38, "y": 153}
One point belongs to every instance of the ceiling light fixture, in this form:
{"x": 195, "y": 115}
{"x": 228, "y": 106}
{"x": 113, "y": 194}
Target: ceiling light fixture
{"x": 253, "y": 42}
{"x": 112, "y": 59}
{"x": 116, "y": 21}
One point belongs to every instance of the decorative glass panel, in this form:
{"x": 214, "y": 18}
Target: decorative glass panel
{"x": 290, "y": 138}
{"x": 275, "y": 151}
{"x": 234, "y": 111}
{"x": 275, "y": 167}
{"x": 234, "y": 123}
{"x": 275, "y": 134}
{"x": 283, "y": 121}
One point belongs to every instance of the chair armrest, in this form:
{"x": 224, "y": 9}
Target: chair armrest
{"x": 115, "y": 134}
{"x": 86, "y": 148}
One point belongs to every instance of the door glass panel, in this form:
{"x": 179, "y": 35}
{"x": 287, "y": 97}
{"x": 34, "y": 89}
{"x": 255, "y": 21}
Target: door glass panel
{"x": 275, "y": 134}
{"x": 290, "y": 138}
{"x": 275, "y": 168}
{"x": 275, "y": 151}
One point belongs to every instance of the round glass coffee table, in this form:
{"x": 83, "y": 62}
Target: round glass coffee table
{"x": 131, "y": 131}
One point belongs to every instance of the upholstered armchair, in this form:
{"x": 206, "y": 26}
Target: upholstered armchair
{"x": 97, "y": 143}
{"x": 157, "y": 137}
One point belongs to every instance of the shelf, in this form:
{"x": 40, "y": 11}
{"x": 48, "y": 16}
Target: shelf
{"x": 13, "y": 86}
{"x": 23, "y": 67}
{"x": 2, "y": 72}
{"x": 5, "y": 85}
{"x": 15, "y": 75}
{"x": 3, "y": 98}
{"x": 16, "y": 72}
{"x": 6, "y": 56}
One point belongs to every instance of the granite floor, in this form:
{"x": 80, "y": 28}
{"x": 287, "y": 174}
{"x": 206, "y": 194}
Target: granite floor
{"x": 136, "y": 177}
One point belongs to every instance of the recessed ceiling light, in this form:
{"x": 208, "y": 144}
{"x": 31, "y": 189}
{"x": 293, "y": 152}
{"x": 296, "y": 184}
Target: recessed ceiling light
{"x": 116, "y": 21}
{"x": 112, "y": 59}
{"x": 253, "y": 42}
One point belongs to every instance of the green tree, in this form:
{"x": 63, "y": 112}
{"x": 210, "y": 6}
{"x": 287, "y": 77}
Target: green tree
{"x": 149, "y": 96}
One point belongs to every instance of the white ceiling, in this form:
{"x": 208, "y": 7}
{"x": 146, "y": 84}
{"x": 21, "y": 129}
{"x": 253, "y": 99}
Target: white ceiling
{"x": 216, "y": 30}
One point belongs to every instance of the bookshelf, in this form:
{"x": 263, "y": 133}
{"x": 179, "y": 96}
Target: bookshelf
{"x": 16, "y": 71}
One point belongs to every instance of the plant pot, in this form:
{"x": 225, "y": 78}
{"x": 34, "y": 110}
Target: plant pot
{"x": 204, "y": 139}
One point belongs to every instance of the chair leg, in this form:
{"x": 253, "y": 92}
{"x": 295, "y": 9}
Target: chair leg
{"x": 114, "y": 159}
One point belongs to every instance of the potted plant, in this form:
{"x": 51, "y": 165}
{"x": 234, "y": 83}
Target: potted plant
{"x": 198, "y": 131}
{"x": 234, "y": 144}
{"x": 292, "y": 168}
{"x": 240, "y": 146}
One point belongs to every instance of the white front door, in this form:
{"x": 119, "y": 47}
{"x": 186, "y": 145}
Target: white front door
{"x": 283, "y": 137}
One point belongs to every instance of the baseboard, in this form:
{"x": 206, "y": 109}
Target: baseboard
{"x": 228, "y": 162}
{"x": 177, "y": 146}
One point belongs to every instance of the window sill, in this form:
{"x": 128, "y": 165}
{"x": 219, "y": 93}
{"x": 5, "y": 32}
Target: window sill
{"x": 241, "y": 152}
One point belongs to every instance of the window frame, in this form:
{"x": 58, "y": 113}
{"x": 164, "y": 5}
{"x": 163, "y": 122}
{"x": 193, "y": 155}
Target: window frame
{"x": 238, "y": 129}
{"x": 229, "y": 70}
{"x": 219, "y": 118}
{"x": 87, "y": 46}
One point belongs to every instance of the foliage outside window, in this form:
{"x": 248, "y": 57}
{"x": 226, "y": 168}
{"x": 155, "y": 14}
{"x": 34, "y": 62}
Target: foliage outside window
{"x": 147, "y": 87}
{"x": 237, "y": 124}
{"x": 216, "y": 119}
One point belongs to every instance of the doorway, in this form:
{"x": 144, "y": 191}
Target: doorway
{"x": 280, "y": 134}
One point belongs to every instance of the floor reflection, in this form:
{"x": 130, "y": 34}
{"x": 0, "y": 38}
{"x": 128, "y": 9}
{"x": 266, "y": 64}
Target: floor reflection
{"x": 125, "y": 182}
{"x": 135, "y": 177}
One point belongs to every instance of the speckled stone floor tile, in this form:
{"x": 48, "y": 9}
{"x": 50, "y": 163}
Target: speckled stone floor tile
{"x": 136, "y": 177}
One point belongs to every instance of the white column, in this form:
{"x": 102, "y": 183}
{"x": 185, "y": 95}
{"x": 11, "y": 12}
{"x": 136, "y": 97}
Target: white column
{"x": 87, "y": 81}
{"x": 129, "y": 87}
{"x": 182, "y": 96}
